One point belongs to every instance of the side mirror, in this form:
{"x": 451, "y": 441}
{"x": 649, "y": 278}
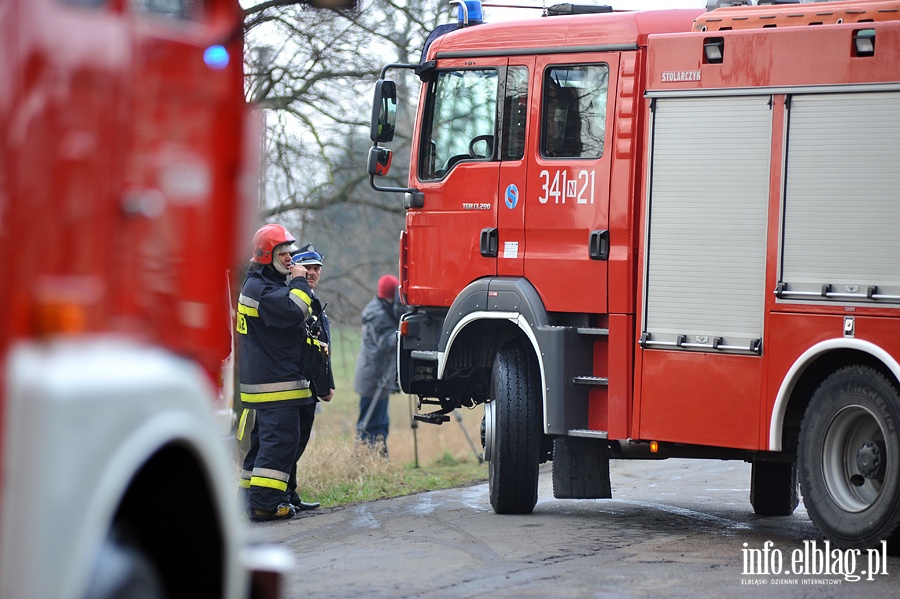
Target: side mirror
{"x": 384, "y": 111}
{"x": 379, "y": 161}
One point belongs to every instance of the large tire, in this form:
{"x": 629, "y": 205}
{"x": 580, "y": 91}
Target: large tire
{"x": 773, "y": 488}
{"x": 514, "y": 439}
{"x": 849, "y": 458}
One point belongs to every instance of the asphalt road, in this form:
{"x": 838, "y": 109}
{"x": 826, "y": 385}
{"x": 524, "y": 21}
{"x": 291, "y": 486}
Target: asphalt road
{"x": 675, "y": 528}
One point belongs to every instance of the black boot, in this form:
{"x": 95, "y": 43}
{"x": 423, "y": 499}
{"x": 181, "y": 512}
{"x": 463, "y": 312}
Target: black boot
{"x": 284, "y": 511}
{"x": 301, "y": 506}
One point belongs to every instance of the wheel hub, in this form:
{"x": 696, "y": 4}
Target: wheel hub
{"x": 854, "y": 458}
{"x": 870, "y": 460}
{"x": 488, "y": 432}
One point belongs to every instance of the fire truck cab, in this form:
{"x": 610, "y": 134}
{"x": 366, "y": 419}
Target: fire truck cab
{"x": 662, "y": 234}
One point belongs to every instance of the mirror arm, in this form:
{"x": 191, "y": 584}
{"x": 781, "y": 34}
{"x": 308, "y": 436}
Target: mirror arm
{"x": 399, "y": 65}
{"x": 414, "y": 195}
{"x": 377, "y": 187}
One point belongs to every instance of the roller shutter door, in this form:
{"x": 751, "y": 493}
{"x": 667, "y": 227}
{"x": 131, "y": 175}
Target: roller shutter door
{"x": 706, "y": 251}
{"x": 842, "y": 198}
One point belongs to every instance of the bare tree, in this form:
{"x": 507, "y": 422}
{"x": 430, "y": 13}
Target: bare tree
{"x": 312, "y": 72}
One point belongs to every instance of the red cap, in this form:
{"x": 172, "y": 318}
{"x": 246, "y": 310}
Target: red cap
{"x": 387, "y": 287}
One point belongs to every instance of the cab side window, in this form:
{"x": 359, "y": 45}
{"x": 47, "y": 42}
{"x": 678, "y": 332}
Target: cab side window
{"x": 461, "y": 120}
{"x": 573, "y": 121}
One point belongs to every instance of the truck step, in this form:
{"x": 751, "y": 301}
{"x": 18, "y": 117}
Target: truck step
{"x": 595, "y": 381}
{"x": 590, "y": 434}
{"x": 593, "y": 331}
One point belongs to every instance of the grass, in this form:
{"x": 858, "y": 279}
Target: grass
{"x": 335, "y": 470}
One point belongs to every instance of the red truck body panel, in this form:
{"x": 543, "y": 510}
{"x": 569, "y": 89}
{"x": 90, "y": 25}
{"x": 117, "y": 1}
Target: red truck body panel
{"x": 123, "y": 164}
{"x": 121, "y": 174}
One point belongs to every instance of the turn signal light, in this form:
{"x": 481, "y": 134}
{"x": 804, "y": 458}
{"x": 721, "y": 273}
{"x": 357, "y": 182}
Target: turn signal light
{"x": 654, "y": 447}
{"x": 59, "y": 319}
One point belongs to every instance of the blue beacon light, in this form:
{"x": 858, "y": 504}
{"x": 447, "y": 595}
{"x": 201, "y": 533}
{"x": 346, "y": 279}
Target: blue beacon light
{"x": 469, "y": 12}
{"x": 216, "y": 57}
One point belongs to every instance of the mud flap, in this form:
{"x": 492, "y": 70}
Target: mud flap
{"x": 581, "y": 468}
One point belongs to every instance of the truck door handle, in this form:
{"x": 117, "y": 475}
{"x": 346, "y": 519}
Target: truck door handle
{"x": 489, "y": 242}
{"x": 598, "y": 245}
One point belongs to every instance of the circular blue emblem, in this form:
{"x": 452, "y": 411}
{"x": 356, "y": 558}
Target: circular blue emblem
{"x": 512, "y": 196}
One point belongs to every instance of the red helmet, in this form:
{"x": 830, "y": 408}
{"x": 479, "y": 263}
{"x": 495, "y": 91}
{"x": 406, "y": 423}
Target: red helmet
{"x": 266, "y": 239}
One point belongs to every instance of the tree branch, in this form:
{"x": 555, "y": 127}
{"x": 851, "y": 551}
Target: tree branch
{"x": 258, "y": 8}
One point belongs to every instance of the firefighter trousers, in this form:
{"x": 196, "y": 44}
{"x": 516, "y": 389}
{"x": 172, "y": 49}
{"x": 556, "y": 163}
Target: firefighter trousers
{"x": 276, "y": 442}
{"x": 307, "y": 415}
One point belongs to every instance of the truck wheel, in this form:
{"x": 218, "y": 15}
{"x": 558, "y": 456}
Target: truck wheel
{"x": 773, "y": 488}
{"x": 513, "y": 433}
{"x": 850, "y": 458}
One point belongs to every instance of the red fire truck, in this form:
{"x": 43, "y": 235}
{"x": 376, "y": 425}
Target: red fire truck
{"x": 663, "y": 234}
{"x": 123, "y": 155}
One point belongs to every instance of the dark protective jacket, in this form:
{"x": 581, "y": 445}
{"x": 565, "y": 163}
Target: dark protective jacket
{"x": 271, "y": 330}
{"x": 325, "y": 384}
{"x": 376, "y": 366}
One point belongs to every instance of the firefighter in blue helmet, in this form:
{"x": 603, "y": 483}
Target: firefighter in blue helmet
{"x": 273, "y": 307}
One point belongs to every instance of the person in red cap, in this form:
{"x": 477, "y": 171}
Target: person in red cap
{"x": 376, "y": 367}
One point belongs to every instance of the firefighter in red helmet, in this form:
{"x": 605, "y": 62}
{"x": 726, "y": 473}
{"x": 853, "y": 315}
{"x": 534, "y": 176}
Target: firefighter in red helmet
{"x": 274, "y": 304}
